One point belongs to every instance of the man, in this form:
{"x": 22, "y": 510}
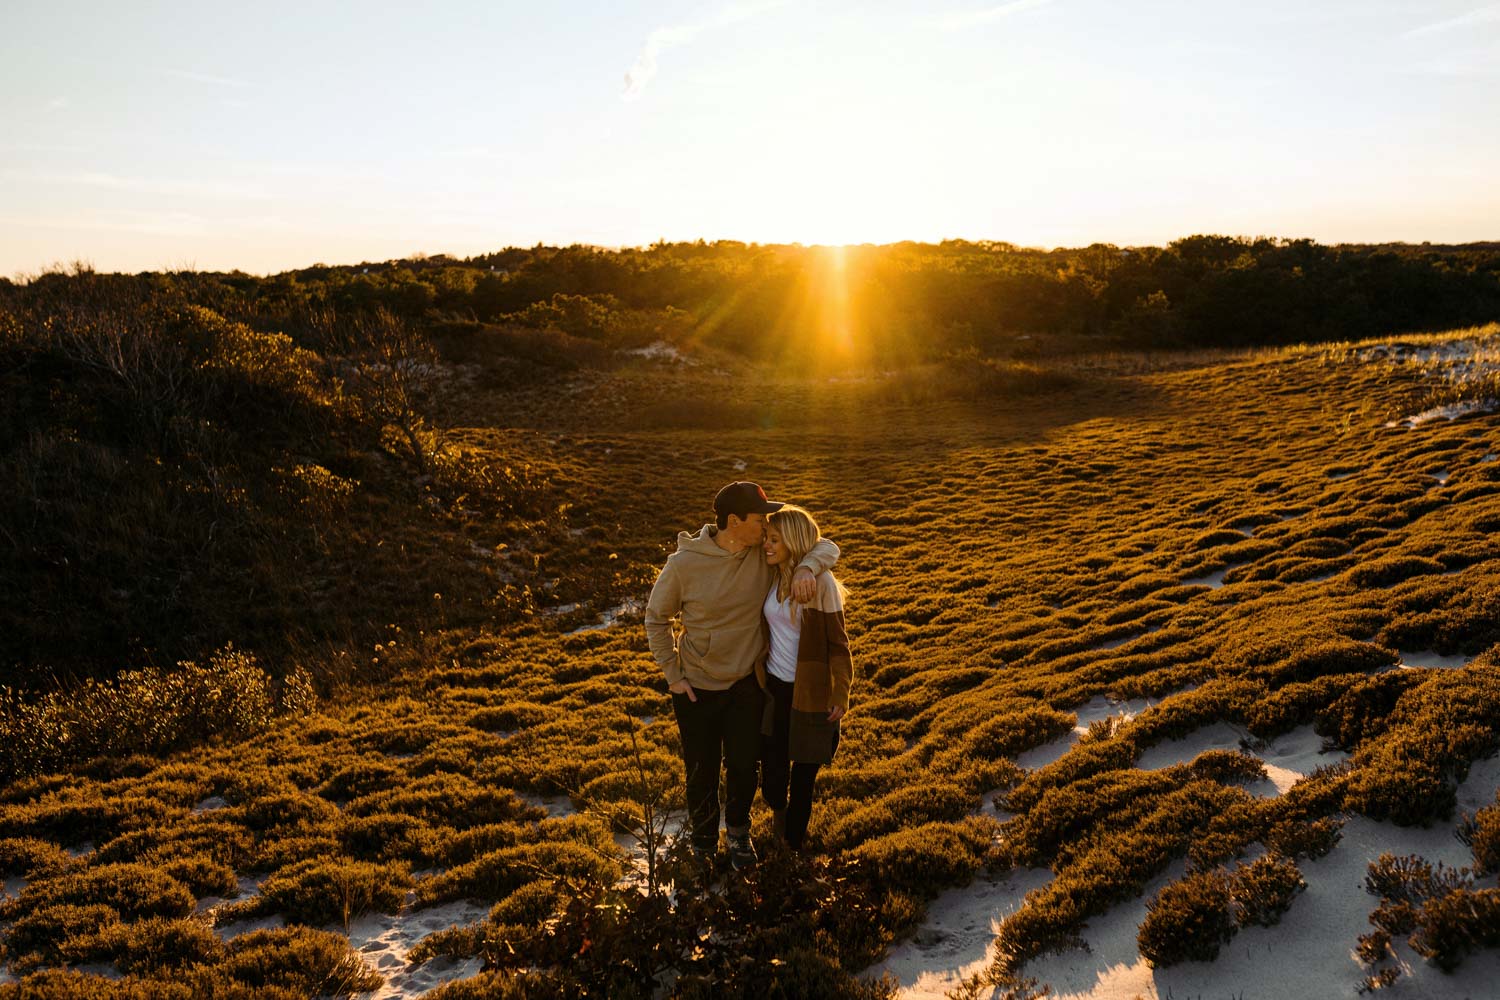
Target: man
{"x": 717, "y": 581}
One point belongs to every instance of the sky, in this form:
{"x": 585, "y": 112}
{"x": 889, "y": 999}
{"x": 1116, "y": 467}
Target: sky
{"x": 265, "y": 137}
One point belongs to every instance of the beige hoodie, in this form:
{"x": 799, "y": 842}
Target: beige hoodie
{"x": 719, "y": 595}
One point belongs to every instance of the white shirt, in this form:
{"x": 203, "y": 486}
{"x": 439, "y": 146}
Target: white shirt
{"x": 786, "y": 631}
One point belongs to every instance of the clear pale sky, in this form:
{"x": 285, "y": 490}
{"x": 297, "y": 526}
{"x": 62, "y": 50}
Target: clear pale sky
{"x": 275, "y": 135}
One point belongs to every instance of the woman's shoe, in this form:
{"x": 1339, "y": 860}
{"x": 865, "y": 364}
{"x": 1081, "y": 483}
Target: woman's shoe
{"x": 741, "y": 851}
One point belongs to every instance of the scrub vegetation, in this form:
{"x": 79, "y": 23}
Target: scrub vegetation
{"x": 437, "y": 641}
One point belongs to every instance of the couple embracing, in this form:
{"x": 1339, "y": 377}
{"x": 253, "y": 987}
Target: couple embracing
{"x": 747, "y": 623}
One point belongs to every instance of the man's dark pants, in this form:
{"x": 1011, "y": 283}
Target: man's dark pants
{"x": 720, "y": 725}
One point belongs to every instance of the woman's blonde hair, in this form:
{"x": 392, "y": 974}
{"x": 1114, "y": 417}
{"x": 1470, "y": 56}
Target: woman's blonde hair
{"x": 800, "y": 533}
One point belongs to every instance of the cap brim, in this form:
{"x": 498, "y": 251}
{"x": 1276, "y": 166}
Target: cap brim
{"x": 772, "y": 506}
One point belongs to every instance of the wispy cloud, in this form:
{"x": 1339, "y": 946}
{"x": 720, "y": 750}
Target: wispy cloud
{"x": 970, "y": 18}
{"x": 208, "y": 78}
{"x": 57, "y": 104}
{"x": 1481, "y": 15}
{"x": 676, "y": 35}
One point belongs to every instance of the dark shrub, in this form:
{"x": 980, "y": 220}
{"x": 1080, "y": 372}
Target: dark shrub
{"x": 1483, "y": 836}
{"x": 1263, "y": 889}
{"x": 1457, "y": 923}
{"x": 1188, "y": 920}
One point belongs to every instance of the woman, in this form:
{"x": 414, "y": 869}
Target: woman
{"x": 807, "y": 675}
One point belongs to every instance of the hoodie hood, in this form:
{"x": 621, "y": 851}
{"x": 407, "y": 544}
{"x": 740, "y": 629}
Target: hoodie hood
{"x": 703, "y": 542}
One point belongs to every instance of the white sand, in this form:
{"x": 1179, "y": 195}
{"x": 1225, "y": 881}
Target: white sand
{"x": 633, "y": 606}
{"x": 957, "y": 938}
{"x": 1288, "y": 758}
{"x": 658, "y": 351}
{"x": 1214, "y": 579}
{"x": 384, "y": 940}
{"x": 1126, "y": 640}
{"x": 1450, "y": 411}
{"x": 1451, "y": 352}
{"x": 1095, "y": 709}
{"x": 1427, "y": 658}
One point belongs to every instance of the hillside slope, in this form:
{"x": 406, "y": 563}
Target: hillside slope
{"x": 1159, "y": 641}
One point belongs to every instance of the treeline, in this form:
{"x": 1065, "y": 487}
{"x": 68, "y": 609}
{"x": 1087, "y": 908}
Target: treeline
{"x": 905, "y": 300}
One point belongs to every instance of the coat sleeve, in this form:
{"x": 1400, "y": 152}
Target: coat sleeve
{"x": 664, "y": 605}
{"x": 840, "y": 663}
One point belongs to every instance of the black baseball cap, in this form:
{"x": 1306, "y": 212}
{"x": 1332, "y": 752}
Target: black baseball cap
{"x": 744, "y": 498}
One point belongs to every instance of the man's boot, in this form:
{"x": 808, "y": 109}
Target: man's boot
{"x": 778, "y": 825}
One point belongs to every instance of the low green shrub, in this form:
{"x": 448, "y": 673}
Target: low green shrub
{"x": 44, "y": 934}
{"x": 157, "y": 944}
{"x": 366, "y": 776}
{"x": 530, "y": 904}
{"x": 512, "y": 716}
{"x": 1327, "y": 657}
{"x": 202, "y": 875}
{"x": 308, "y": 961}
{"x": 499, "y": 873}
{"x": 132, "y": 890}
{"x": 1393, "y": 570}
{"x": 1363, "y": 710}
{"x": 283, "y": 811}
{"x": 902, "y": 809}
{"x": 925, "y": 859}
{"x": 1083, "y": 761}
{"x": 322, "y": 891}
{"x": 1110, "y": 866}
{"x": 31, "y": 857}
{"x": 449, "y": 799}
{"x": 450, "y": 942}
{"x": 149, "y": 710}
{"x": 394, "y": 836}
{"x": 70, "y": 984}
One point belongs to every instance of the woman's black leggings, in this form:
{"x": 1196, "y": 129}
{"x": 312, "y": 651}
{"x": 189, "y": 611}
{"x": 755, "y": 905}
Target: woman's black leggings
{"x": 783, "y": 784}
